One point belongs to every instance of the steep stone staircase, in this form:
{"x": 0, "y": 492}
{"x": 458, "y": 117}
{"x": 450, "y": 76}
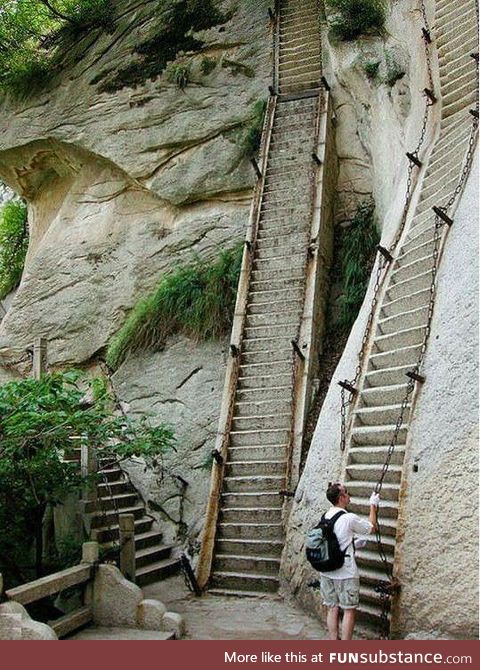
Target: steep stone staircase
{"x": 249, "y": 535}
{"x": 116, "y": 495}
{"x": 402, "y": 316}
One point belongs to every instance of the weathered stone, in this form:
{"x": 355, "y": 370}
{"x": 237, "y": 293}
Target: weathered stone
{"x": 16, "y": 619}
{"x": 175, "y": 622}
{"x": 115, "y": 600}
{"x": 150, "y": 614}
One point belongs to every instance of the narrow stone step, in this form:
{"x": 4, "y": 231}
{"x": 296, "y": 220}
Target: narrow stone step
{"x": 380, "y": 415}
{"x": 157, "y": 571}
{"x": 261, "y": 422}
{"x": 411, "y": 285}
{"x": 114, "y": 488}
{"x": 247, "y": 438}
{"x": 111, "y": 474}
{"x": 269, "y": 452}
{"x": 249, "y": 357}
{"x": 370, "y": 397}
{"x": 375, "y": 455}
{"x": 260, "y": 565}
{"x": 412, "y": 301}
{"x": 273, "y": 318}
{"x": 423, "y": 250}
{"x": 253, "y": 484}
{"x": 370, "y": 559}
{"x": 248, "y": 547}
{"x": 252, "y": 515}
{"x": 117, "y": 502}
{"x": 265, "y": 394}
{"x": 402, "y": 338}
{"x": 276, "y": 279}
{"x": 366, "y": 472}
{"x": 287, "y": 296}
{"x": 149, "y": 538}
{"x": 104, "y": 518}
{"x": 258, "y": 499}
{"x": 394, "y": 358}
{"x": 412, "y": 269}
{"x": 358, "y": 489}
{"x": 267, "y": 333}
{"x": 103, "y": 535}
{"x": 265, "y": 381}
{"x": 286, "y": 306}
{"x": 153, "y": 554}
{"x": 370, "y": 597}
{"x": 377, "y": 435}
{"x": 250, "y": 531}
{"x": 389, "y": 508}
{"x": 387, "y": 376}
{"x": 413, "y": 318}
{"x": 279, "y": 365}
{"x": 275, "y": 227}
{"x": 295, "y": 260}
{"x": 244, "y": 582}
{"x": 255, "y": 468}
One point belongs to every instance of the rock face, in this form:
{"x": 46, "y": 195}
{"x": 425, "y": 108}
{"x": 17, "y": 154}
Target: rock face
{"x": 123, "y": 186}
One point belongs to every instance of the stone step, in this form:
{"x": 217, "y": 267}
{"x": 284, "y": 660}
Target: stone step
{"x": 261, "y": 422}
{"x": 408, "y": 286}
{"x": 250, "y": 531}
{"x": 284, "y": 197}
{"x": 248, "y": 438}
{"x": 287, "y": 213}
{"x": 388, "y": 508}
{"x": 366, "y": 472}
{"x": 110, "y": 534}
{"x": 273, "y": 228}
{"x": 114, "y": 488}
{"x": 287, "y": 296}
{"x": 287, "y": 306}
{"x": 251, "y": 357}
{"x": 150, "y": 538}
{"x": 157, "y": 571}
{"x": 292, "y": 261}
{"x": 380, "y": 415}
{"x": 309, "y": 53}
{"x": 255, "y": 468}
{"x": 270, "y": 452}
{"x": 153, "y": 554}
{"x": 370, "y": 559}
{"x": 253, "y": 484}
{"x": 387, "y": 376}
{"x": 252, "y": 515}
{"x": 273, "y": 318}
{"x": 260, "y": 395}
{"x": 373, "y": 455}
{"x": 413, "y": 318}
{"x": 286, "y": 330}
{"x": 258, "y": 565}
{"x": 370, "y": 597}
{"x": 293, "y": 67}
{"x": 422, "y": 250}
{"x": 370, "y": 397}
{"x": 244, "y": 582}
{"x": 111, "y": 474}
{"x": 265, "y": 381}
{"x": 412, "y": 301}
{"x": 417, "y": 237}
{"x": 402, "y": 338}
{"x": 377, "y": 435}
{"x": 250, "y": 547}
{"x": 411, "y": 269}
{"x": 103, "y": 519}
{"x": 279, "y": 365}
{"x": 453, "y": 103}
{"x": 249, "y": 500}
{"x": 117, "y": 502}
{"x": 358, "y": 489}
{"x": 394, "y": 358}
{"x": 295, "y": 84}
{"x": 277, "y": 279}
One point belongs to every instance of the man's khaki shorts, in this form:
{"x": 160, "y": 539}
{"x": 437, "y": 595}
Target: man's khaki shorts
{"x": 340, "y": 592}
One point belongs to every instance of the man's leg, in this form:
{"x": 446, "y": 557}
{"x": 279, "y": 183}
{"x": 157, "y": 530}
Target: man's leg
{"x": 332, "y": 623}
{"x": 348, "y": 623}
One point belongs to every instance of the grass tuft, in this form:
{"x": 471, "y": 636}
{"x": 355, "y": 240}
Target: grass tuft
{"x": 197, "y": 299}
{"x": 253, "y": 135}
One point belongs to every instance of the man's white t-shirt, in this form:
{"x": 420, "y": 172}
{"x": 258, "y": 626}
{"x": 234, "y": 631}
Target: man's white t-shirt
{"x": 346, "y": 526}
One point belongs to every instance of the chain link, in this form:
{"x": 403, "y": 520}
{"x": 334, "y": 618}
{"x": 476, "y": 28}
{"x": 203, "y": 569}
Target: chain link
{"x": 386, "y": 589}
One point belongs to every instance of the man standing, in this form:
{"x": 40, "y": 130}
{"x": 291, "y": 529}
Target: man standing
{"x": 341, "y": 587}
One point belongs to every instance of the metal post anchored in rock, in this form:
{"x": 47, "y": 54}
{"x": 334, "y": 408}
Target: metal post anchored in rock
{"x": 39, "y": 357}
{"x": 126, "y": 524}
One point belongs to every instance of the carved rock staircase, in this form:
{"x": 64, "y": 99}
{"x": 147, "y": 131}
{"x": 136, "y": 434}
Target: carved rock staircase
{"x": 116, "y": 495}
{"x": 402, "y": 315}
{"x": 249, "y": 535}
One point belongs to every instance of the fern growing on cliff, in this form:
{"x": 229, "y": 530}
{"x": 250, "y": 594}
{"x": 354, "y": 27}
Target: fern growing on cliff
{"x": 197, "y": 299}
{"x": 13, "y": 244}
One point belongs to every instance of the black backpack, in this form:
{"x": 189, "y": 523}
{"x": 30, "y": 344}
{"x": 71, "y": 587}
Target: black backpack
{"x": 322, "y": 548}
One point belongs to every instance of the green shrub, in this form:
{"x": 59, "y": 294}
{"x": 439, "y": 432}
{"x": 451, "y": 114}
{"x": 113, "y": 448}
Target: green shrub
{"x": 358, "y": 250}
{"x": 253, "y": 135}
{"x": 13, "y": 244}
{"x": 208, "y": 65}
{"x": 178, "y": 74}
{"x": 371, "y": 68}
{"x": 352, "y": 18}
{"x": 197, "y": 299}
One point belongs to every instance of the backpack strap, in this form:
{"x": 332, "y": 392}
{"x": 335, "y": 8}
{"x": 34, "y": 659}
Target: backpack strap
{"x": 335, "y": 517}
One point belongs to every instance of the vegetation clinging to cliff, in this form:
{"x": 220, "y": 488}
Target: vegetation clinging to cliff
{"x": 13, "y": 244}
{"x": 358, "y": 248}
{"x": 197, "y": 299}
{"x": 33, "y": 33}
{"x": 352, "y": 18}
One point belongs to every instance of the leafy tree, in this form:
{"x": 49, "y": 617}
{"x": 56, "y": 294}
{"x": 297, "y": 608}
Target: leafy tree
{"x": 31, "y": 32}
{"x": 40, "y": 422}
{"x": 353, "y": 18}
{"x": 13, "y": 244}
